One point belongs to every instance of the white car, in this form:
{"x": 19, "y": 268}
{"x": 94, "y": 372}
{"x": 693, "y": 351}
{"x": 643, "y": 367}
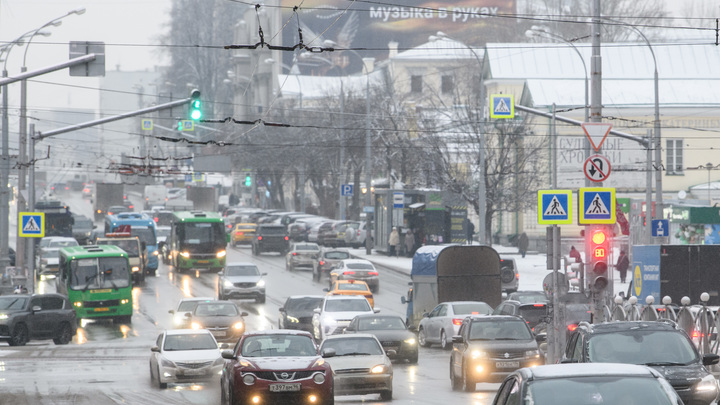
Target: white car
{"x": 336, "y": 312}
{"x": 443, "y": 322}
{"x": 185, "y": 355}
{"x": 183, "y": 312}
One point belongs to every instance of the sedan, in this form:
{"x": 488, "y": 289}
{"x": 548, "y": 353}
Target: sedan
{"x": 183, "y": 310}
{"x": 302, "y": 255}
{"x": 36, "y": 317}
{"x": 222, "y": 318}
{"x": 298, "y": 311}
{"x": 184, "y": 355}
{"x": 241, "y": 280}
{"x": 357, "y": 269}
{"x": 329, "y": 258}
{"x": 570, "y": 384}
{"x": 49, "y": 263}
{"x": 360, "y": 365}
{"x": 243, "y": 234}
{"x": 276, "y": 367}
{"x": 392, "y": 333}
{"x": 351, "y": 287}
{"x": 443, "y": 322}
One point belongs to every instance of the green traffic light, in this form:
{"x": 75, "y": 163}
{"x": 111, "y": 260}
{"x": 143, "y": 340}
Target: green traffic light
{"x": 248, "y": 181}
{"x": 195, "y": 112}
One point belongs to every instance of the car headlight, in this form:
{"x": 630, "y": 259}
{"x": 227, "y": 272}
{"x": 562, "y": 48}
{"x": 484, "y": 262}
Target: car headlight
{"x": 380, "y": 368}
{"x": 239, "y": 325}
{"x": 708, "y": 383}
{"x": 261, "y": 283}
{"x": 319, "y": 378}
{"x": 410, "y": 341}
{"x": 292, "y": 319}
{"x": 221, "y": 254}
{"x": 248, "y": 379}
{"x": 318, "y": 363}
{"x": 328, "y": 321}
{"x": 155, "y": 253}
{"x": 476, "y": 354}
{"x": 196, "y": 325}
{"x": 4, "y": 316}
{"x": 532, "y": 353}
{"x": 228, "y": 284}
{"x": 167, "y": 363}
{"x": 135, "y": 269}
{"x": 185, "y": 254}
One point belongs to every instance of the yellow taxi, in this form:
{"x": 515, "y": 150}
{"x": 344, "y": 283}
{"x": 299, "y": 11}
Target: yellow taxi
{"x": 351, "y": 287}
{"x": 243, "y": 233}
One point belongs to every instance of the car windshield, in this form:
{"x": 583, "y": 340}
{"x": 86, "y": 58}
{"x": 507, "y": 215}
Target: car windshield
{"x": 355, "y": 346}
{"x": 499, "y": 330}
{"x": 103, "y": 272}
{"x": 249, "y": 270}
{"x": 381, "y": 323}
{"x": 303, "y": 304}
{"x": 347, "y": 305}
{"x": 145, "y": 234}
{"x": 337, "y": 255}
{"x": 360, "y": 266}
{"x": 196, "y": 341}
{"x": 474, "y": 308}
{"x": 130, "y": 246}
{"x": 278, "y": 346}
{"x": 188, "y": 306}
{"x": 599, "y": 390}
{"x": 216, "y": 310}
{"x": 12, "y": 303}
{"x": 352, "y": 287}
{"x": 62, "y": 243}
{"x": 639, "y": 346}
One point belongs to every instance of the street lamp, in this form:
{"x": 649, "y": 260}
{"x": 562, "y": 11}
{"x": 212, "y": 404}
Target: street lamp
{"x": 709, "y": 166}
{"x": 482, "y": 189}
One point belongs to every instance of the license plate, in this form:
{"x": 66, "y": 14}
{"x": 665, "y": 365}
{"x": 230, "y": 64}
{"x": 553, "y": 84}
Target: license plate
{"x": 284, "y": 387}
{"x": 203, "y": 261}
{"x": 193, "y": 372}
{"x": 218, "y": 333}
{"x": 102, "y": 309}
{"x": 507, "y": 364}
{"x": 100, "y": 291}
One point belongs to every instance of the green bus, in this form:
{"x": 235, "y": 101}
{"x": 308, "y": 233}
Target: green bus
{"x": 98, "y": 282}
{"x": 198, "y": 241}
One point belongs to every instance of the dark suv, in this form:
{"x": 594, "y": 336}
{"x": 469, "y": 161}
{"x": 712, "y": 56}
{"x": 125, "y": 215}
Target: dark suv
{"x": 270, "y": 238}
{"x": 533, "y": 313}
{"x": 661, "y": 345}
{"x": 38, "y": 316}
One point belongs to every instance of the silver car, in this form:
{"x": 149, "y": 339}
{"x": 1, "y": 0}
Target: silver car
{"x": 185, "y": 355}
{"x": 303, "y": 254}
{"x": 443, "y": 322}
{"x": 360, "y": 365}
{"x": 241, "y": 280}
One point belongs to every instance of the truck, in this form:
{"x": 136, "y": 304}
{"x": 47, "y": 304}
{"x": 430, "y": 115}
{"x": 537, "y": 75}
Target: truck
{"x": 154, "y": 195}
{"x": 107, "y": 195}
{"x": 58, "y": 218}
{"x": 203, "y": 198}
{"x": 452, "y": 273}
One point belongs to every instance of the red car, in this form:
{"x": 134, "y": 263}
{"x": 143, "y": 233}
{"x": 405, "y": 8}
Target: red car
{"x": 276, "y": 367}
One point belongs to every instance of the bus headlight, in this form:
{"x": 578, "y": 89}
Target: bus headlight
{"x": 78, "y": 304}
{"x": 155, "y": 253}
{"x": 135, "y": 269}
{"x": 185, "y": 254}
{"x": 221, "y": 254}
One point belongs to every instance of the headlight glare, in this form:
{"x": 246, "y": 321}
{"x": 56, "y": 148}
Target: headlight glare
{"x": 532, "y": 353}
{"x": 261, "y": 283}
{"x": 378, "y": 369}
{"x": 476, "y": 354}
{"x": 185, "y": 254}
{"x": 196, "y": 325}
{"x": 221, "y": 254}
{"x": 239, "y": 325}
{"x": 228, "y": 283}
{"x": 708, "y": 383}
{"x": 410, "y": 341}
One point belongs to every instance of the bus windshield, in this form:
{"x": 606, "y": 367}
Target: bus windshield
{"x": 145, "y": 234}
{"x": 103, "y": 272}
{"x": 199, "y": 236}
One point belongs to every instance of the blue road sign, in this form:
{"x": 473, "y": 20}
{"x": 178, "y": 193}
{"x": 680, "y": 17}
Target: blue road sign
{"x": 147, "y": 124}
{"x": 596, "y": 205}
{"x": 398, "y": 199}
{"x": 660, "y": 227}
{"x": 346, "y": 190}
{"x": 503, "y": 106}
{"x": 554, "y": 207}
{"x": 32, "y": 224}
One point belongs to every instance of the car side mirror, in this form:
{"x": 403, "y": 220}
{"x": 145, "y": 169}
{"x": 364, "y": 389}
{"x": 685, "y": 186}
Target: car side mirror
{"x": 317, "y": 310}
{"x": 376, "y": 310}
{"x": 541, "y": 338}
{"x": 426, "y": 315}
{"x": 155, "y": 349}
{"x": 244, "y": 314}
{"x": 710, "y": 359}
{"x": 328, "y": 353}
{"x": 391, "y": 353}
{"x": 281, "y": 309}
{"x": 402, "y": 299}
{"x": 220, "y": 274}
{"x": 228, "y": 354}
{"x": 457, "y": 339}
{"x": 326, "y": 289}
{"x": 36, "y": 308}
{"x": 172, "y": 311}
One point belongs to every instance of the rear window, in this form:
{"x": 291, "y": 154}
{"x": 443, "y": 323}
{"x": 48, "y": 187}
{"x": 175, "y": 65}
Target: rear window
{"x": 532, "y": 313}
{"x": 479, "y": 308}
{"x": 245, "y": 227}
{"x": 337, "y": 255}
{"x": 272, "y": 230}
{"x": 352, "y": 287}
{"x": 307, "y": 247}
{"x": 360, "y": 266}
{"x": 507, "y": 264}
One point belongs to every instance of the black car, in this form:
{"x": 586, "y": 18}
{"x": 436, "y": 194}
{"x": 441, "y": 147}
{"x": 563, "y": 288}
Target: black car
{"x": 661, "y": 345}
{"x": 392, "y": 333}
{"x": 528, "y": 297}
{"x": 533, "y": 314}
{"x": 270, "y": 238}
{"x": 36, "y": 317}
{"x": 297, "y": 312}
{"x": 82, "y": 229}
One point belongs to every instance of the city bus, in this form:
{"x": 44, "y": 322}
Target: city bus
{"x": 97, "y": 281}
{"x": 141, "y": 226}
{"x": 198, "y": 241}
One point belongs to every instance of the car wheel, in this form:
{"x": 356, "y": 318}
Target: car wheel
{"x": 467, "y": 384}
{"x": 386, "y": 395}
{"x": 260, "y": 299}
{"x": 413, "y": 359}
{"x": 152, "y": 376}
{"x": 64, "y": 335}
{"x": 161, "y": 384}
{"x": 422, "y": 338}
{"x": 221, "y": 297}
{"x": 444, "y": 343}
{"x": 254, "y": 251}
{"x": 19, "y": 335}
{"x": 455, "y": 383}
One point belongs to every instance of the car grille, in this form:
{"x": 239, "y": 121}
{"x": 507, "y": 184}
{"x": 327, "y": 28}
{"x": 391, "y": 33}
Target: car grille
{"x": 245, "y": 285}
{"x": 390, "y": 343}
{"x": 353, "y": 371}
{"x": 101, "y": 304}
{"x": 278, "y": 375}
{"x": 194, "y": 365}
{"x": 206, "y": 256}
{"x": 506, "y": 354}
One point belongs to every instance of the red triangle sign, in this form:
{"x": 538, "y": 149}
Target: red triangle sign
{"x": 596, "y": 133}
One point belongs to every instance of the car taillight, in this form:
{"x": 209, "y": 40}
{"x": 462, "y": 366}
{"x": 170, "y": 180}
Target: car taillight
{"x": 239, "y": 233}
{"x": 156, "y": 219}
{"x": 457, "y": 321}
{"x": 348, "y": 272}
{"x": 259, "y": 237}
{"x": 287, "y": 238}
{"x": 517, "y": 276}
{"x": 538, "y": 305}
{"x": 294, "y": 253}
{"x": 572, "y": 327}
{"x": 321, "y": 263}
{"x": 374, "y": 273}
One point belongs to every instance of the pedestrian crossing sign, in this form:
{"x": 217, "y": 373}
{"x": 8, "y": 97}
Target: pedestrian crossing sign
{"x": 554, "y": 207}
{"x": 31, "y": 224}
{"x": 503, "y": 106}
{"x": 147, "y": 124}
{"x": 596, "y": 205}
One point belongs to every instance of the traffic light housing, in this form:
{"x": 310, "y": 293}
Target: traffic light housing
{"x": 195, "y": 110}
{"x": 599, "y": 254}
{"x": 248, "y": 181}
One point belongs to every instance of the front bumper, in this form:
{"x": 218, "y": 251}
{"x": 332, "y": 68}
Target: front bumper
{"x": 239, "y": 292}
{"x": 191, "y": 373}
{"x": 306, "y": 262}
{"x": 360, "y": 384}
{"x": 261, "y": 388}
{"x": 487, "y": 367}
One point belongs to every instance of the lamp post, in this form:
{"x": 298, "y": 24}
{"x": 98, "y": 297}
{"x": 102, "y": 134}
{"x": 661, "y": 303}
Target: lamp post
{"x": 482, "y": 189}
{"x": 709, "y": 166}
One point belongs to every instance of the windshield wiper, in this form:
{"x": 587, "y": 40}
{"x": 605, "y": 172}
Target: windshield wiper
{"x": 664, "y": 363}
{"x": 509, "y": 338}
{"x": 354, "y": 354}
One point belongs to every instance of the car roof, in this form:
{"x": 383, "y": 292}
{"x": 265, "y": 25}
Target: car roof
{"x": 240, "y": 264}
{"x": 185, "y": 331}
{"x": 340, "y": 283}
{"x": 566, "y": 370}
{"x": 278, "y": 332}
{"x": 350, "y": 261}
{"x": 463, "y": 302}
{"x": 350, "y": 336}
{"x": 494, "y": 318}
{"x": 306, "y": 296}
{"x": 197, "y": 299}
{"x": 618, "y": 326}
{"x": 344, "y": 297}
{"x": 379, "y": 316}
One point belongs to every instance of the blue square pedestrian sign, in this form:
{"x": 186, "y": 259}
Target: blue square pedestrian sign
{"x": 31, "y": 224}
{"x": 503, "y": 106}
{"x": 596, "y": 205}
{"x": 554, "y": 207}
{"x": 147, "y": 124}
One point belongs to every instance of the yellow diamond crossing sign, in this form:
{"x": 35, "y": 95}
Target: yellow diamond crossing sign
{"x": 31, "y": 224}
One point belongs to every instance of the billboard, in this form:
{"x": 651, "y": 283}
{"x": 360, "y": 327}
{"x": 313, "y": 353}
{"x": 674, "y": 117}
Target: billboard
{"x": 368, "y": 27}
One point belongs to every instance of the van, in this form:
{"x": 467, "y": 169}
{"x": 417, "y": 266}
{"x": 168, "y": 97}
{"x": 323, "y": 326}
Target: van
{"x": 155, "y": 195}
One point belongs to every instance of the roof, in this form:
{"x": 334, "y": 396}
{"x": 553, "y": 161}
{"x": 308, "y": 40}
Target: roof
{"x": 185, "y": 331}
{"x": 278, "y": 332}
{"x": 590, "y": 369}
{"x": 608, "y": 327}
{"x": 344, "y": 297}
{"x": 442, "y": 48}
{"x": 95, "y": 250}
{"x": 351, "y": 336}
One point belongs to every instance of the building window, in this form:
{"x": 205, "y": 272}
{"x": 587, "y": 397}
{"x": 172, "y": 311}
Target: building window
{"x": 416, "y": 84}
{"x": 447, "y": 85}
{"x": 674, "y": 156}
